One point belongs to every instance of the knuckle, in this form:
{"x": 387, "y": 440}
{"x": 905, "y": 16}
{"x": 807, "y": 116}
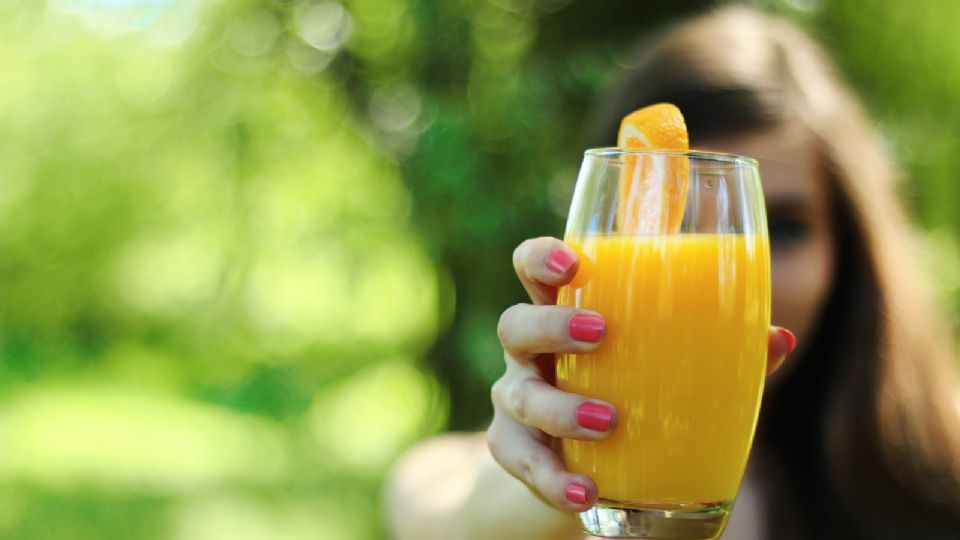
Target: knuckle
{"x": 536, "y": 469}
{"x": 496, "y": 392}
{"x": 519, "y": 255}
{"x": 503, "y": 325}
{"x": 507, "y": 322}
{"x": 525, "y": 471}
{"x": 516, "y": 400}
{"x": 491, "y": 438}
{"x": 496, "y": 441}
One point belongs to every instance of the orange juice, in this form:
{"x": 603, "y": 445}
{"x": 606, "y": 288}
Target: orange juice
{"x": 683, "y": 362}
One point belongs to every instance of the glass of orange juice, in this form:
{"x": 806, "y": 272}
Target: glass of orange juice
{"x": 674, "y": 254}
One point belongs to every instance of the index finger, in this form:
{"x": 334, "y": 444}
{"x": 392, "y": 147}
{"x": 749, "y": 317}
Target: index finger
{"x": 544, "y": 264}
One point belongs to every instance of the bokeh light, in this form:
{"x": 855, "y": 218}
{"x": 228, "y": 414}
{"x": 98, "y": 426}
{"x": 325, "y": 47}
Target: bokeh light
{"x": 214, "y": 299}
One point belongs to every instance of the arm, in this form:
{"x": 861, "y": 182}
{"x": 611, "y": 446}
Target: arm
{"x": 450, "y": 488}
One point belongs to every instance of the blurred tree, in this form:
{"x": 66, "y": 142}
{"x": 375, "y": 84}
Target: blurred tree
{"x": 252, "y": 249}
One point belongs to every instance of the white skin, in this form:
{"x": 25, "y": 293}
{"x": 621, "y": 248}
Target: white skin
{"x": 452, "y": 487}
{"x": 798, "y": 200}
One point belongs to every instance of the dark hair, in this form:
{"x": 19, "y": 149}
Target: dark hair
{"x": 863, "y": 438}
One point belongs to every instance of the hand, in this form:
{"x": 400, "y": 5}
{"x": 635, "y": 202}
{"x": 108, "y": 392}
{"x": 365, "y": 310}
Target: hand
{"x": 529, "y": 412}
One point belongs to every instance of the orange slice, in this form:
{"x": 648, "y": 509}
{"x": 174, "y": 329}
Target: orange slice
{"x": 653, "y": 188}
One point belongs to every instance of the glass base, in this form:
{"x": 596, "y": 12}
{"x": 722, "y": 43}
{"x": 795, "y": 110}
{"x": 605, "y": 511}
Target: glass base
{"x": 681, "y": 521}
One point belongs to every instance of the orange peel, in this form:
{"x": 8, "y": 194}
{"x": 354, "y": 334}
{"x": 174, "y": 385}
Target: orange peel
{"x": 653, "y": 188}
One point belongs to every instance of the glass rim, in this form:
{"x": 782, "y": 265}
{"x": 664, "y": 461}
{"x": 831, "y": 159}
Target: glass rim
{"x": 609, "y": 151}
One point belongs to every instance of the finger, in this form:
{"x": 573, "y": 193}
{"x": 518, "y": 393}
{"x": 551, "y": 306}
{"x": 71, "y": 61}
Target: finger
{"x": 526, "y": 330}
{"x": 543, "y": 264}
{"x": 528, "y": 458}
{"x": 533, "y": 402}
{"x": 780, "y": 343}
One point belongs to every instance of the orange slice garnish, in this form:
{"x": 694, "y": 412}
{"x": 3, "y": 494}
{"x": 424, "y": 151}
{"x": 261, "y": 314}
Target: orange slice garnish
{"x": 653, "y": 188}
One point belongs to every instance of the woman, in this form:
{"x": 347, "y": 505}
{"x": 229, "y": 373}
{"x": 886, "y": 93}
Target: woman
{"x": 859, "y": 435}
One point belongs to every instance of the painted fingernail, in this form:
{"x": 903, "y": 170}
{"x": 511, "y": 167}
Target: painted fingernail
{"x": 560, "y": 260}
{"x": 587, "y": 328}
{"x": 594, "y": 416}
{"x": 576, "y": 493}
{"x": 789, "y": 338}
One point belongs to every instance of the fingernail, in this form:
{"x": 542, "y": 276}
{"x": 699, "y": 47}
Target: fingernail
{"x": 560, "y": 260}
{"x": 594, "y": 416}
{"x": 587, "y": 328}
{"x": 789, "y": 338}
{"x": 576, "y": 493}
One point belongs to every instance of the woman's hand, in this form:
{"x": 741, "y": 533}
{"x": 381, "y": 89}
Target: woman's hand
{"x": 529, "y": 412}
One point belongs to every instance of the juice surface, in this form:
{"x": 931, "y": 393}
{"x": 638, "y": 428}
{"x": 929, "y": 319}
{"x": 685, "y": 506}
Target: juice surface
{"x": 683, "y": 362}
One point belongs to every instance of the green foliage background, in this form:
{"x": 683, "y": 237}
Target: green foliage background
{"x": 250, "y": 250}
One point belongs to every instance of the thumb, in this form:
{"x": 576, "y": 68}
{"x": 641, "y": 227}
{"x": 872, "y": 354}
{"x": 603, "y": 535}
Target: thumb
{"x": 780, "y": 343}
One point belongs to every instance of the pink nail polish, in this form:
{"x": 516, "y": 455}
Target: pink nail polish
{"x": 576, "y": 493}
{"x": 594, "y": 416}
{"x": 790, "y": 339}
{"x": 587, "y": 328}
{"x": 560, "y": 260}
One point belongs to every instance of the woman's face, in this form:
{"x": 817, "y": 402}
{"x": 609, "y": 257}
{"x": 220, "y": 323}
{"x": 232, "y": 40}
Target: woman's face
{"x": 801, "y": 230}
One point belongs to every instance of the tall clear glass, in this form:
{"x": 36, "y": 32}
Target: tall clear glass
{"x": 675, "y": 256}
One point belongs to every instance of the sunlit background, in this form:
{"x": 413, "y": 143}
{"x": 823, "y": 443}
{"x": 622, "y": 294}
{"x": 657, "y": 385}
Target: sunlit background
{"x": 251, "y": 250}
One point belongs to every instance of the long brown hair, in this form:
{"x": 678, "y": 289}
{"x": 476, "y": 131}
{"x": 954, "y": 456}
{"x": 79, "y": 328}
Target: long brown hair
{"x": 863, "y": 438}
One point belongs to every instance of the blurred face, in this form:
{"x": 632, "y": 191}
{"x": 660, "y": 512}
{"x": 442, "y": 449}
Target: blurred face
{"x": 801, "y": 232}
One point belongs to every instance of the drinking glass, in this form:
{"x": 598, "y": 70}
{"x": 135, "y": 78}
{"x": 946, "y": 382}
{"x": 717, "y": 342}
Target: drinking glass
{"x": 674, "y": 254}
